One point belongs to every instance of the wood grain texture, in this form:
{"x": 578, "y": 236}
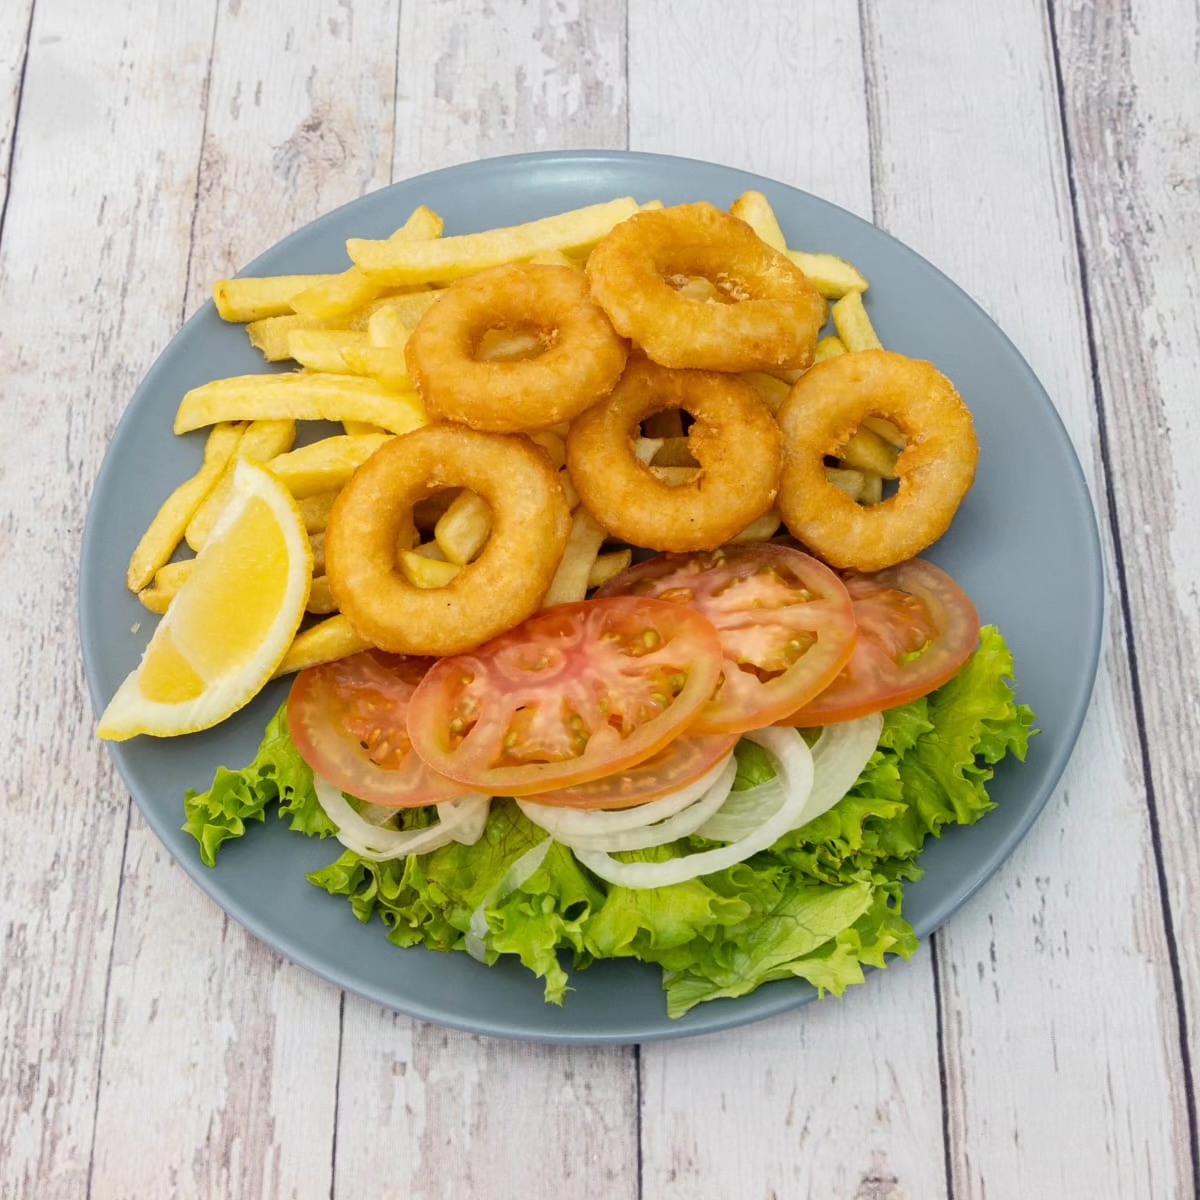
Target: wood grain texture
{"x": 92, "y": 268}
{"x": 478, "y": 79}
{"x": 840, "y": 1099}
{"x": 1130, "y": 75}
{"x": 1065, "y": 948}
{"x": 474, "y": 80}
{"x": 14, "y": 43}
{"x": 221, "y": 1059}
{"x": 780, "y": 94}
{"x": 471, "y": 1116}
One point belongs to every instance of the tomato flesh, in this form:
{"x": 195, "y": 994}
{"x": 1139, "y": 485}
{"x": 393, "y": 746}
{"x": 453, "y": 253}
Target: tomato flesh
{"x": 683, "y": 761}
{"x": 784, "y": 619}
{"x": 916, "y": 628}
{"x": 573, "y": 693}
{"x": 349, "y": 720}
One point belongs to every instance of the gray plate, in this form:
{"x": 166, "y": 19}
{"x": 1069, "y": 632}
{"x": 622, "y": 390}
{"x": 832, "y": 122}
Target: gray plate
{"x": 1024, "y": 545}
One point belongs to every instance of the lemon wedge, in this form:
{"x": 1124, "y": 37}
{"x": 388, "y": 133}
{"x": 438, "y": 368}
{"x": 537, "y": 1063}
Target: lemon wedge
{"x": 231, "y": 623}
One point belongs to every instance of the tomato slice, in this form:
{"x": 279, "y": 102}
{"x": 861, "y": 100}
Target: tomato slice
{"x": 916, "y": 628}
{"x": 349, "y": 721}
{"x": 573, "y": 693}
{"x": 784, "y": 619}
{"x": 683, "y": 761}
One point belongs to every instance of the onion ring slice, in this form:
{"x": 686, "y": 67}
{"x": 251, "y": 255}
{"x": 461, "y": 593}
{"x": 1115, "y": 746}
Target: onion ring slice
{"x": 581, "y": 359}
{"x": 734, "y": 439}
{"x": 503, "y": 586}
{"x": 774, "y": 314}
{"x": 936, "y": 468}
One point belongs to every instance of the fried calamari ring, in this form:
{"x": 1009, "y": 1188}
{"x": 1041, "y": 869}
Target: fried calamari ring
{"x": 582, "y": 356}
{"x": 936, "y": 468}
{"x": 774, "y": 316}
{"x": 733, "y": 438}
{"x": 504, "y": 585}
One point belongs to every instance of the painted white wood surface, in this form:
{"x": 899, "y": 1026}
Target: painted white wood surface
{"x": 153, "y": 1049}
{"x": 1043, "y": 949}
{"x": 1133, "y": 123}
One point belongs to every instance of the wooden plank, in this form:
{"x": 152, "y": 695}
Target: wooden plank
{"x": 92, "y": 268}
{"x": 467, "y": 1116}
{"x": 478, "y": 79}
{"x": 781, "y": 95}
{"x": 221, "y": 1059}
{"x": 1055, "y": 980}
{"x": 1129, "y": 86}
{"x": 14, "y": 41}
{"x": 839, "y": 1099}
{"x": 472, "y": 1116}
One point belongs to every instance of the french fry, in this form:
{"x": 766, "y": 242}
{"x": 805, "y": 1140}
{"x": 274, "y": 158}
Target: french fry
{"x": 570, "y": 581}
{"x": 410, "y": 307}
{"x": 675, "y": 476}
{"x": 166, "y": 531}
{"x": 386, "y": 328}
{"x": 645, "y": 448}
{"x": 886, "y": 430}
{"x": 384, "y": 364}
{"x": 325, "y": 465}
{"x": 650, "y": 206}
{"x": 430, "y": 550}
{"x": 262, "y": 440}
{"x": 358, "y": 428}
{"x": 608, "y": 566}
{"x": 846, "y": 480}
{"x": 853, "y": 325}
{"x": 326, "y": 641}
{"x": 867, "y": 451}
{"x": 564, "y": 477}
{"x": 554, "y": 258}
{"x": 425, "y": 572}
{"x": 833, "y": 277}
{"x": 340, "y": 294}
{"x": 872, "y": 489}
{"x": 464, "y": 527}
{"x": 251, "y": 299}
{"x": 301, "y": 397}
{"x": 320, "y": 597}
{"x": 315, "y": 509}
{"x": 674, "y": 452}
{"x": 771, "y": 391}
{"x": 829, "y": 347}
{"x": 761, "y": 529}
{"x": 317, "y": 542}
{"x": 271, "y": 335}
{"x": 554, "y": 444}
{"x": 324, "y": 349}
{"x": 168, "y": 579}
{"x": 755, "y": 209}
{"x": 451, "y": 258}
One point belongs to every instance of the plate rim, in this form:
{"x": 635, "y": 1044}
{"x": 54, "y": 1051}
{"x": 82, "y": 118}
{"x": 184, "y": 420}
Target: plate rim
{"x": 708, "y": 1019}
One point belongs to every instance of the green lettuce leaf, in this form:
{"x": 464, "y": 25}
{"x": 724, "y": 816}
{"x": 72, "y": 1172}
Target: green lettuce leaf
{"x": 278, "y": 775}
{"x": 822, "y": 905}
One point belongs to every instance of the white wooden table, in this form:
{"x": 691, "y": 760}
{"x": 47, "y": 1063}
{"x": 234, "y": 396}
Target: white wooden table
{"x": 1045, "y": 154}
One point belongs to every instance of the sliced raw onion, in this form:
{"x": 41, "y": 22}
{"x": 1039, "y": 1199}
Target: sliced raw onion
{"x": 462, "y": 818}
{"x": 680, "y": 825}
{"x": 839, "y": 756}
{"x": 570, "y": 823}
{"x": 520, "y": 871}
{"x": 794, "y": 778}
